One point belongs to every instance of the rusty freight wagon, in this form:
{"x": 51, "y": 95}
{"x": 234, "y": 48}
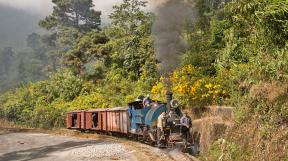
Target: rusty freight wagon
{"x": 75, "y": 120}
{"x": 118, "y": 120}
{"x": 114, "y": 120}
{"x": 96, "y": 120}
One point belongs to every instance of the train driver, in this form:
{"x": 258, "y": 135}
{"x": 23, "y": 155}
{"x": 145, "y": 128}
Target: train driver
{"x": 147, "y": 101}
{"x": 186, "y": 123}
{"x": 161, "y": 123}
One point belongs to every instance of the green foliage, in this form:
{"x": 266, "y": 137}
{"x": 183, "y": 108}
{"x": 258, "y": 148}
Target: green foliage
{"x": 88, "y": 49}
{"x": 35, "y": 104}
{"x": 203, "y": 39}
{"x": 64, "y": 86}
{"x": 70, "y": 20}
{"x": 252, "y": 64}
{"x": 129, "y": 15}
{"x": 131, "y": 44}
{"x": 78, "y": 14}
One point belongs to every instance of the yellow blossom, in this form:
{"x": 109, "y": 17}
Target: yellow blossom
{"x": 209, "y": 85}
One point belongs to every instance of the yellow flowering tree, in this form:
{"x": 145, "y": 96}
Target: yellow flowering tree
{"x": 190, "y": 87}
{"x": 159, "y": 90}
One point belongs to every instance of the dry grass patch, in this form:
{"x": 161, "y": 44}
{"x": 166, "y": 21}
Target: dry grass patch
{"x": 269, "y": 91}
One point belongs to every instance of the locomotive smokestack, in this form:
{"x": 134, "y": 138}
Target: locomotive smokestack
{"x": 169, "y": 96}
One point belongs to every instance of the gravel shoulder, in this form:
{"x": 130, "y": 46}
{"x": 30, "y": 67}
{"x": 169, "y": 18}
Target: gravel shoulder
{"x": 36, "y": 146}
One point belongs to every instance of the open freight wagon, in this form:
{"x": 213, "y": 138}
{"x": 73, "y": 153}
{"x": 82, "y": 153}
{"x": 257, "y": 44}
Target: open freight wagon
{"x": 104, "y": 120}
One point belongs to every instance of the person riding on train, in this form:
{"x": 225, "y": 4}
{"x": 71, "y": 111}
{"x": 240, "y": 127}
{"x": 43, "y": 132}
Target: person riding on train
{"x": 186, "y": 123}
{"x": 147, "y": 101}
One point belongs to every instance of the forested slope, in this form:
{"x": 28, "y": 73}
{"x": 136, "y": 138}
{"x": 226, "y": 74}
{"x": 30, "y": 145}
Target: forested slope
{"x": 235, "y": 54}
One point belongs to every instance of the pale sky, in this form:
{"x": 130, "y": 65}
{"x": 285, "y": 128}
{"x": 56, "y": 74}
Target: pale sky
{"x": 44, "y": 7}
{"x": 12, "y": 36}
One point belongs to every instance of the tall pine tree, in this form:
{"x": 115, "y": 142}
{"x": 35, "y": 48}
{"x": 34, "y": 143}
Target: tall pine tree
{"x": 73, "y": 13}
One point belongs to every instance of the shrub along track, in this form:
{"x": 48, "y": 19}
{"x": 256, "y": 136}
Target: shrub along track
{"x": 39, "y": 144}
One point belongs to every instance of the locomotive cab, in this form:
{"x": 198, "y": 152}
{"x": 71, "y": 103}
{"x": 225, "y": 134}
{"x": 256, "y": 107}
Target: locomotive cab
{"x": 177, "y": 128}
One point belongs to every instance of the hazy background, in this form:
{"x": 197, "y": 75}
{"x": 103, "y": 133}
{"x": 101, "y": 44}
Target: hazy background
{"x": 19, "y": 18}
{"x": 44, "y": 7}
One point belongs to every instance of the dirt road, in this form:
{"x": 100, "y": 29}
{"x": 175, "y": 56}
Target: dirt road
{"x": 47, "y": 147}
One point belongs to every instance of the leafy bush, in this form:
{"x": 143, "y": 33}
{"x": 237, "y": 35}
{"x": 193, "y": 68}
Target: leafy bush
{"x": 33, "y": 104}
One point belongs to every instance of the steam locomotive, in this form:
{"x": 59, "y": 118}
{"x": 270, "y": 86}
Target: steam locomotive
{"x": 145, "y": 120}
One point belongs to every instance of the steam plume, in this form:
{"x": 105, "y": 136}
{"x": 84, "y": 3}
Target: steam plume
{"x": 171, "y": 17}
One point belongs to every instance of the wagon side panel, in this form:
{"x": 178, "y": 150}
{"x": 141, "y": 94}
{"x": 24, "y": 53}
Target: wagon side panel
{"x": 68, "y": 120}
{"x": 83, "y": 120}
{"x": 109, "y": 121}
{"x": 104, "y": 121}
{"x": 88, "y": 120}
{"x": 125, "y": 122}
{"x": 78, "y": 125}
